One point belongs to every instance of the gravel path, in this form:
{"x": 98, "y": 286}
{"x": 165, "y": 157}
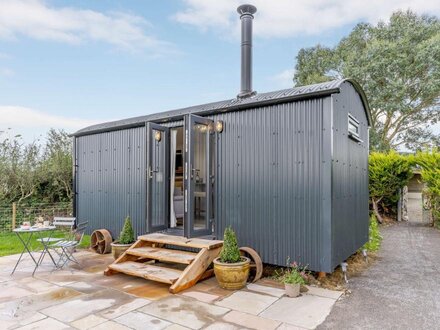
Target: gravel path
{"x": 401, "y": 290}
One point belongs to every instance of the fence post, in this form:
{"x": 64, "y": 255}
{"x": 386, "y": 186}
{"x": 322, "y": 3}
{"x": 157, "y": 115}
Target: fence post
{"x": 14, "y": 215}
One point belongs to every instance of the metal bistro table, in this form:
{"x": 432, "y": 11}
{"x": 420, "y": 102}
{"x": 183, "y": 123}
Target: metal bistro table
{"x": 41, "y": 232}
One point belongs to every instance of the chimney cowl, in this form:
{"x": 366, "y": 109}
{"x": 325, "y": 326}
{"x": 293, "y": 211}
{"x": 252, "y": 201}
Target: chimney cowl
{"x": 246, "y": 15}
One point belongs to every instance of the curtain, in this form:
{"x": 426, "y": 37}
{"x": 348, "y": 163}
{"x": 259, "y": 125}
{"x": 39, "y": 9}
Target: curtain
{"x": 173, "y": 221}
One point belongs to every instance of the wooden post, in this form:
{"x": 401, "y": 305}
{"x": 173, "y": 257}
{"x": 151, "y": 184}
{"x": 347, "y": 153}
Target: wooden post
{"x": 14, "y": 215}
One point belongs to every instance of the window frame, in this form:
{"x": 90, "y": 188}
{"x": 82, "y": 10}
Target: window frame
{"x": 352, "y": 121}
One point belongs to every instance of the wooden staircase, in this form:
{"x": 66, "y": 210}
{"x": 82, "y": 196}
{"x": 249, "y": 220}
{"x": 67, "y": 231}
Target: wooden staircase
{"x": 165, "y": 258}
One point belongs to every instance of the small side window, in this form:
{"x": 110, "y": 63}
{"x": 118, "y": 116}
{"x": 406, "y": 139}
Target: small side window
{"x": 353, "y": 128}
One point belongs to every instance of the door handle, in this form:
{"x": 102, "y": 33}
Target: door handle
{"x": 150, "y": 172}
{"x": 194, "y": 172}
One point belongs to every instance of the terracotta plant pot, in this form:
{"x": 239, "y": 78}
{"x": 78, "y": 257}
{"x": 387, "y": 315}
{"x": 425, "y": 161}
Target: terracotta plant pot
{"x": 292, "y": 290}
{"x": 232, "y": 276}
{"x": 118, "y": 249}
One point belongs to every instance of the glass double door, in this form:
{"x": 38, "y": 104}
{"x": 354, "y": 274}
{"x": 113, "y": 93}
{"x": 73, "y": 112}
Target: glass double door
{"x": 198, "y": 176}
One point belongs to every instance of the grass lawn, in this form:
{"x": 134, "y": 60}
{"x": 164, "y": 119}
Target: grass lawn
{"x": 10, "y": 244}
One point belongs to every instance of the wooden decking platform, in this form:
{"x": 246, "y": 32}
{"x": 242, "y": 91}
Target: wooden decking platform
{"x": 160, "y": 258}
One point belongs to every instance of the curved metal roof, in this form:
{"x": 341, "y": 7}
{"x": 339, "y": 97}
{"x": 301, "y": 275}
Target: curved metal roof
{"x": 285, "y": 95}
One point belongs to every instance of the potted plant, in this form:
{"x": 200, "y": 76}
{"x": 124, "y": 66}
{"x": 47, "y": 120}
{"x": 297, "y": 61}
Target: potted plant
{"x": 126, "y": 239}
{"x": 293, "y": 278}
{"x": 230, "y": 268}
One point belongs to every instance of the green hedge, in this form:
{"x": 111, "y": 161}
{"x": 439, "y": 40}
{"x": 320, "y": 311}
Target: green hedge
{"x": 388, "y": 172}
{"x": 429, "y": 162}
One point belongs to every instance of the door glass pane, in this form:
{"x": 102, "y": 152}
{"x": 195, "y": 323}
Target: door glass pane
{"x": 158, "y": 180}
{"x": 200, "y": 175}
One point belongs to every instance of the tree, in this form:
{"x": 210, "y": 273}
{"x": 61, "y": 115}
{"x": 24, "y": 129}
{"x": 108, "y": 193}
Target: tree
{"x": 57, "y": 166}
{"x": 19, "y": 169}
{"x": 398, "y": 65}
{"x": 35, "y": 172}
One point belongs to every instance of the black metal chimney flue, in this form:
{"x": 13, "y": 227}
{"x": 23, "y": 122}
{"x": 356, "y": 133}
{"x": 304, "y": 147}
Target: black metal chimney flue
{"x": 246, "y": 15}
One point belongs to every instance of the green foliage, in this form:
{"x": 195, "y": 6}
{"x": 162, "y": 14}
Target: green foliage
{"x": 429, "y": 162}
{"x": 10, "y": 244}
{"x": 293, "y": 277}
{"x": 375, "y": 238}
{"x": 127, "y": 234}
{"x": 397, "y": 64}
{"x": 57, "y": 167}
{"x": 293, "y": 274}
{"x": 35, "y": 172}
{"x": 388, "y": 172}
{"x": 230, "y": 252}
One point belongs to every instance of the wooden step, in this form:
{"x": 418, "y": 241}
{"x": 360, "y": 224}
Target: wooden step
{"x": 147, "y": 271}
{"x": 165, "y": 255}
{"x": 197, "y": 243}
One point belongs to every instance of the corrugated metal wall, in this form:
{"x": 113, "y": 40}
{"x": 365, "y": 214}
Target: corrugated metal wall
{"x": 274, "y": 179}
{"x": 111, "y": 179}
{"x": 270, "y": 180}
{"x": 349, "y": 177}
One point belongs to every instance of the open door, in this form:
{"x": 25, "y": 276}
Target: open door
{"x": 198, "y": 176}
{"x": 157, "y": 177}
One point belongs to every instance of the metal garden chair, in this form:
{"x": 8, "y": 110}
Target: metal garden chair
{"x": 66, "y": 248}
{"x": 66, "y": 223}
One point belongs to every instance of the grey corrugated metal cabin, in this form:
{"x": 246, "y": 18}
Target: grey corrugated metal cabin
{"x": 288, "y": 172}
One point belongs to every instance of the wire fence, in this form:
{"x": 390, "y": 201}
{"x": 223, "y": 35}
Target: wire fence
{"x": 14, "y": 215}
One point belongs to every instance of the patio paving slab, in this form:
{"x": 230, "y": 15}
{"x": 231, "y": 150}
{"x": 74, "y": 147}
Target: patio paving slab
{"x": 151, "y": 290}
{"x": 266, "y": 290}
{"x": 223, "y": 326}
{"x": 185, "y": 311}
{"x": 141, "y": 321}
{"x": 176, "y": 327}
{"x": 307, "y": 311}
{"x": 321, "y": 292}
{"x": 87, "y": 304}
{"x": 10, "y": 291}
{"x": 8, "y": 321}
{"x": 84, "y": 287}
{"x": 250, "y": 321}
{"x": 36, "y": 285}
{"x": 65, "y": 277}
{"x": 47, "y": 323}
{"x": 114, "y": 312}
{"x": 88, "y": 322}
{"x": 19, "y": 311}
{"x": 110, "y": 325}
{"x": 286, "y": 326}
{"x": 247, "y": 302}
{"x": 201, "y": 296}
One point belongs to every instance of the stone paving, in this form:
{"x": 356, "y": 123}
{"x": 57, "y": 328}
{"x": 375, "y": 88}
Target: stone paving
{"x": 83, "y": 298}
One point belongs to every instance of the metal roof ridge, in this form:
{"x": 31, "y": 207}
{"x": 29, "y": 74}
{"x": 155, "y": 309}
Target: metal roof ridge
{"x": 260, "y": 99}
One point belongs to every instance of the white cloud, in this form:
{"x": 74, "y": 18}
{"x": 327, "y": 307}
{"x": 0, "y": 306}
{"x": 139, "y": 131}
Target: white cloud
{"x": 287, "y": 18}
{"x": 6, "y": 72}
{"x": 31, "y": 123}
{"x": 284, "y": 79}
{"x": 36, "y": 19}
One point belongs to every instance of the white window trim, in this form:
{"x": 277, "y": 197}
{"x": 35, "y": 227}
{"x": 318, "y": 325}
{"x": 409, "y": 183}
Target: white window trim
{"x": 353, "y": 121}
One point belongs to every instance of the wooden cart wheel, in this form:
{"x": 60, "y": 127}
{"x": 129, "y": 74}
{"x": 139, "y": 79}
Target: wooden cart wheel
{"x": 256, "y": 263}
{"x": 101, "y": 240}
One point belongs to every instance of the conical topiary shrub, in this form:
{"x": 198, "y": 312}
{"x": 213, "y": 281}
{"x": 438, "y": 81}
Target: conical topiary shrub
{"x": 230, "y": 252}
{"x": 127, "y": 234}
{"x": 230, "y": 268}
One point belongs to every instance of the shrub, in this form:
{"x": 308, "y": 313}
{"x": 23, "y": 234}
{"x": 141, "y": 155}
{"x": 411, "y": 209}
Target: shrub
{"x": 375, "y": 238}
{"x": 294, "y": 274}
{"x": 230, "y": 252}
{"x": 387, "y": 173}
{"x": 429, "y": 162}
{"x": 127, "y": 234}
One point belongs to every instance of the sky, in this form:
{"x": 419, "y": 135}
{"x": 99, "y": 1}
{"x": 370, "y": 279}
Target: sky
{"x": 70, "y": 64}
